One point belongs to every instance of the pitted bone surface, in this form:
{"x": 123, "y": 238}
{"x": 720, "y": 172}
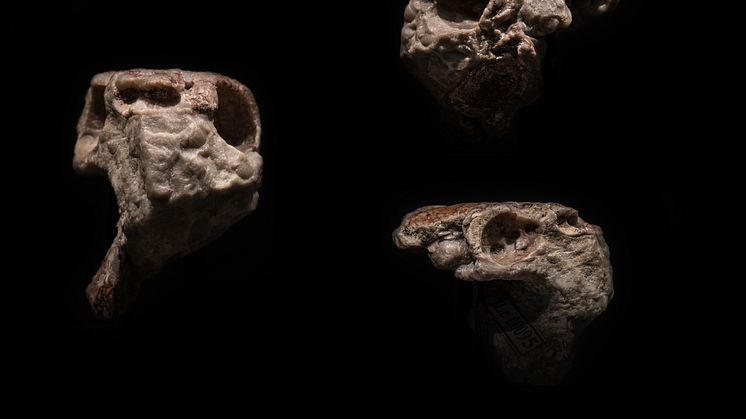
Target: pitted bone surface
{"x": 550, "y": 263}
{"x": 481, "y": 59}
{"x": 180, "y": 150}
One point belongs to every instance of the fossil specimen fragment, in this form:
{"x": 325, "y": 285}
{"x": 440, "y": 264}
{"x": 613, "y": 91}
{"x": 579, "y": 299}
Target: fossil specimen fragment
{"x": 180, "y": 150}
{"x": 481, "y": 59}
{"x": 544, "y": 274}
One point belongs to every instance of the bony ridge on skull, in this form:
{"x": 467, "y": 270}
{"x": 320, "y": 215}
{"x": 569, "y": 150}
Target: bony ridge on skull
{"x": 180, "y": 151}
{"x": 543, "y": 274}
{"x": 480, "y": 59}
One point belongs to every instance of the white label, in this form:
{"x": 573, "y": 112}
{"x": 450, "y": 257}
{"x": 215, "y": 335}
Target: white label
{"x": 519, "y": 331}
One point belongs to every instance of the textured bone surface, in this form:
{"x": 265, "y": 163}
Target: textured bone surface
{"x": 481, "y": 59}
{"x": 180, "y": 150}
{"x": 540, "y": 260}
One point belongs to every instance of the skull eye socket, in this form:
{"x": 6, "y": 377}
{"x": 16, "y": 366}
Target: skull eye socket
{"x": 459, "y": 10}
{"x": 568, "y": 223}
{"x": 508, "y": 233}
{"x": 236, "y": 117}
{"x": 96, "y": 115}
{"x": 160, "y": 96}
{"x": 568, "y": 219}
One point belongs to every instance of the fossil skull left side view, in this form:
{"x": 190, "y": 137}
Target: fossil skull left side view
{"x": 180, "y": 151}
{"x": 542, "y": 275}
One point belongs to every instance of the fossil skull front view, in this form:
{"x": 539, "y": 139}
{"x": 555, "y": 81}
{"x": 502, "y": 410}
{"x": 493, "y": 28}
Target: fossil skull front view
{"x": 180, "y": 150}
{"x": 544, "y": 273}
{"x": 481, "y": 59}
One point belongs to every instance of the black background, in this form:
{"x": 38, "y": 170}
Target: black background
{"x": 309, "y": 292}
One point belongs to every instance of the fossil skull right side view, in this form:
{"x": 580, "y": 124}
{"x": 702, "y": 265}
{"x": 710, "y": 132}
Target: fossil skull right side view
{"x": 481, "y": 59}
{"x": 544, "y": 274}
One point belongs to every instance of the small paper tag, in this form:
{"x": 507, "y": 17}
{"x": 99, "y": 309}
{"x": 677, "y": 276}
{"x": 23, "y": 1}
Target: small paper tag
{"x": 521, "y": 334}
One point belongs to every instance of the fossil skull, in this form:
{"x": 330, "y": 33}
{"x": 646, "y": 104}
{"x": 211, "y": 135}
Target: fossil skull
{"x": 481, "y": 58}
{"x": 180, "y": 150}
{"x": 544, "y": 273}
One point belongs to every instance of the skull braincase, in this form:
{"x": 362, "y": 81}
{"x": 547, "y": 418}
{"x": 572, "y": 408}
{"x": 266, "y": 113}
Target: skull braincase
{"x": 544, "y": 257}
{"x": 481, "y": 59}
{"x": 180, "y": 150}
